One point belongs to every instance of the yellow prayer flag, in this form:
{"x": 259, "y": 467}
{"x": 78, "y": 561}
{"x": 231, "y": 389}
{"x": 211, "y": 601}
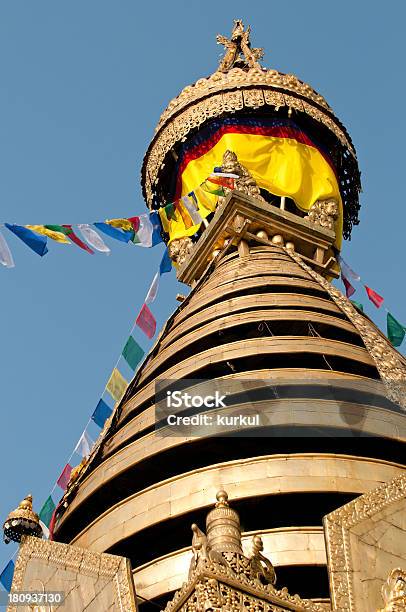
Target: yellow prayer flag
{"x": 117, "y": 385}
{"x": 123, "y": 224}
{"x": 57, "y": 236}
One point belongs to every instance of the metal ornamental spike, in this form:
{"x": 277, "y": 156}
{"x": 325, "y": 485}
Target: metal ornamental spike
{"x": 22, "y": 521}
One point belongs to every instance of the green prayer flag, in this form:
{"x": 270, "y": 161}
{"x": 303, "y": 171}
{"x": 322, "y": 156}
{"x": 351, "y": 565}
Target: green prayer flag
{"x": 396, "y": 331}
{"x": 358, "y": 305}
{"x": 132, "y": 353}
{"x": 170, "y": 211}
{"x": 47, "y": 511}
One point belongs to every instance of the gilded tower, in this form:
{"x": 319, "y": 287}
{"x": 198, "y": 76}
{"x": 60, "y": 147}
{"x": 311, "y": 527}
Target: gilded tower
{"x": 262, "y": 315}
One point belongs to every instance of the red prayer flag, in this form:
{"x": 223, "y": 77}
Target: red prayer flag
{"x": 374, "y": 296}
{"x": 222, "y": 180}
{"x": 135, "y": 222}
{"x": 146, "y": 321}
{"x": 349, "y": 289}
{"x": 72, "y": 236}
{"x": 64, "y": 477}
{"x": 53, "y": 521}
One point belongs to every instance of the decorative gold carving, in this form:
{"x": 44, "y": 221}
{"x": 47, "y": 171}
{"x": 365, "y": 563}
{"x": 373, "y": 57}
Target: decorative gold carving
{"x": 239, "y": 44}
{"x": 324, "y": 213}
{"x": 394, "y": 592}
{"x": 224, "y": 579}
{"x": 261, "y": 567}
{"x": 390, "y": 364}
{"x": 245, "y": 182}
{"x": 228, "y": 92}
{"x": 180, "y": 249}
{"x": 203, "y": 552}
{"x": 337, "y": 525}
{"x": 79, "y": 560}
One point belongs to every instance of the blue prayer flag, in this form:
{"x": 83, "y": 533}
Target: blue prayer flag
{"x": 6, "y": 576}
{"x": 156, "y": 224}
{"x": 36, "y": 242}
{"x": 113, "y": 232}
{"x": 166, "y": 263}
{"x": 101, "y": 413}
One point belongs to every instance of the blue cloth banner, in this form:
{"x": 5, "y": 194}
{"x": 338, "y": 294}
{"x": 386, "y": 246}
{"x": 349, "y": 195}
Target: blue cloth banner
{"x": 36, "y": 242}
{"x": 156, "y": 224}
{"x": 6, "y": 576}
{"x": 113, "y": 232}
{"x": 166, "y": 263}
{"x": 101, "y": 413}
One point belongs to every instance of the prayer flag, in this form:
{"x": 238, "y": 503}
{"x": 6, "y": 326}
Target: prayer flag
{"x": 6, "y": 258}
{"x": 123, "y": 224}
{"x": 396, "y": 331}
{"x": 146, "y": 321}
{"x": 84, "y": 446}
{"x": 349, "y": 289}
{"x": 64, "y": 477}
{"x": 49, "y": 231}
{"x": 186, "y": 218}
{"x": 223, "y": 181}
{"x": 190, "y": 206}
{"x": 149, "y": 230}
{"x": 211, "y": 188}
{"x": 113, "y": 232}
{"x": 347, "y": 271}
{"x": 156, "y": 228}
{"x": 6, "y": 576}
{"x": 36, "y": 242}
{"x": 116, "y": 385}
{"x": 47, "y": 511}
{"x": 357, "y": 305}
{"x": 72, "y": 236}
{"x": 170, "y": 211}
{"x": 374, "y": 296}
{"x": 217, "y": 172}
{"x": 132, "y": 353}
{"x": 45, "y": 530}
{"x": 166, "y": 263}
{"x": 101, "y": 413}
{"x": 135, "y": 222}
{"x": 153, "y": 290}
{"x": 93, "y": 238}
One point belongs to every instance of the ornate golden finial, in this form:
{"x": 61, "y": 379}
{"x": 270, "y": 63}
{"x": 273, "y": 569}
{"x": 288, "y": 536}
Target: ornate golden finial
{"x": 245, "y": 182}
{"x": 394, "y": 591}
{"x": 239, "y": 44}
{"x": 261, "y": 567}
{"x": 223, "y": 526}
{"x": 22, "y": 521}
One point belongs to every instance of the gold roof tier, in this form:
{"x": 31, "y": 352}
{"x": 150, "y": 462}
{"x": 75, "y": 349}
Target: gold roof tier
{"x": 241, "y": 84}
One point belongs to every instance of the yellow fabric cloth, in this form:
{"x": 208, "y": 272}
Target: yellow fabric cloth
{"x": 117, "y": 385}
{"x": 283, "y": 166}
{"x": 57, "y": 236}
{"x": 124, "y": 224}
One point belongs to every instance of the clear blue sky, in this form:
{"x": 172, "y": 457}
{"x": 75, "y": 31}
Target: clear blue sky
{"x": 82, "y": 85}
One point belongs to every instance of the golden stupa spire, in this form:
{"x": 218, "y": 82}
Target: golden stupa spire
{"x": 237, "y": 45}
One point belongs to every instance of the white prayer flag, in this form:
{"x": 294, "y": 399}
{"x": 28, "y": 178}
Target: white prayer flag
{"x": 6, "y": 258}
{"x": 84, "y": 446}
{"x": 145, "y": 231}
{"x": 191, "y": 208}
{"x": 153, "y": 290}
{"x": 93, "y": 238}
{"x": 347, "y": 271}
